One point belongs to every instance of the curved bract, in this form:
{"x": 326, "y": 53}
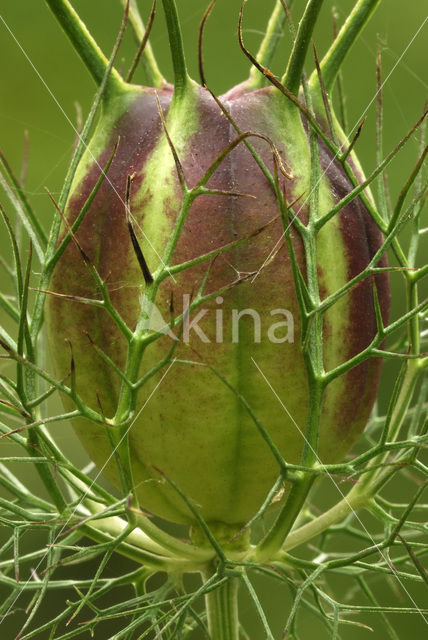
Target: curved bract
{"x": 186, "y": 422}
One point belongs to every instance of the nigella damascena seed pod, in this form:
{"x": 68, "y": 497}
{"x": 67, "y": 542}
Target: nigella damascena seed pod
{"x": 187, "y": 422}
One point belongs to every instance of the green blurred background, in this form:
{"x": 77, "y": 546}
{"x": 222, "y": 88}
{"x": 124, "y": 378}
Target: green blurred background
{"x": 42, "y": 78}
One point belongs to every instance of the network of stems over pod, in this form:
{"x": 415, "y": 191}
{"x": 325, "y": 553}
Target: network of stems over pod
{"x": 82, "y": 522}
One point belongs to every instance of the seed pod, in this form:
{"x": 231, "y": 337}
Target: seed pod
{"x": 190, "y": 424}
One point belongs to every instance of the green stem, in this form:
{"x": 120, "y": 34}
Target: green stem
{"x": 414, "y": 370}
{"x": 146, "y": 536}
{"x": 331, "y": 517}
{"x": 412, "y": 302}
{"x": 274, "y": 540}
{"x": 268, "y": 45}
{"x": 44, "y": 470}
{"x": 222, "y": 610}
{"x": 144, "y": 558}
{"x": 348, "y": 34}
{"x": 293, "y": 73}
{"x": 361, "y": 494}
{"x": 181, "y": 77}
{"x": 140, "y": 543}
{"x": 84, "y": 44}
{"x": 280, "y": 531}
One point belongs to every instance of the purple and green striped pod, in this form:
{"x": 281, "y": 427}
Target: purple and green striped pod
{"x": 192, "y": 426}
